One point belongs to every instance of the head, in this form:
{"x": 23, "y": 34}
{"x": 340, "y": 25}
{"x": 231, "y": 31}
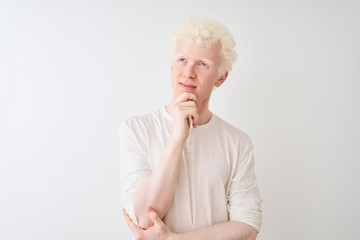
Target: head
{"x": 201, "y": 53}
{"x": 207, "y": 33}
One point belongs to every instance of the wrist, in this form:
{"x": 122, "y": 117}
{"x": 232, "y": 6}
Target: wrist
{"x": 178, "y": 140}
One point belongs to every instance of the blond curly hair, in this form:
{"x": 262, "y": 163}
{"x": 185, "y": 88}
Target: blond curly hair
{"x": 206, "y": 32}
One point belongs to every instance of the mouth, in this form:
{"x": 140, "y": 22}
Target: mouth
{"x": 187, "y": 86}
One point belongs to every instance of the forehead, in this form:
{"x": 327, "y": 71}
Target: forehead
{"x": 189, "y": 50}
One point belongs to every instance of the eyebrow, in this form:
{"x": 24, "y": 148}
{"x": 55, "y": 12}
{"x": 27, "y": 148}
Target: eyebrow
{"x": 201, "y": 59}
{"x": 179, "y": 55}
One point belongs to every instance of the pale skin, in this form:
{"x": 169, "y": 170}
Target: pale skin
{"x": 194, "y": 74}
{"x": 159, "y": 231}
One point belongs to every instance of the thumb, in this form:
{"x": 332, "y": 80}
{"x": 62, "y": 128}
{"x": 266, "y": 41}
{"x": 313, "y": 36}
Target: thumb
{"x": 154, "y": 216}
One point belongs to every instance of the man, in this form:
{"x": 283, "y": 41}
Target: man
{"x": 184, "y": 172}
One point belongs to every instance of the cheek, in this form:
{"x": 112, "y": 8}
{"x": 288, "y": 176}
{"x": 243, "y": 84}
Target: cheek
{"x": 175, "y": 71}
{"x": 211, "y": 79}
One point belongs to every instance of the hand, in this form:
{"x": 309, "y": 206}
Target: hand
{"x": 159, "y": 231}
{"x": 184, "y": 113}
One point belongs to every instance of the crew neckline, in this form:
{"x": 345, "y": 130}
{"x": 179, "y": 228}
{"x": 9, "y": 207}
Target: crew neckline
{"x": 199, "y": 127}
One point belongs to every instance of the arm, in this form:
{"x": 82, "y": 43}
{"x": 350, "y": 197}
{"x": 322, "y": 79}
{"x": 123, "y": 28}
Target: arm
{"x": 244, "y": 208}
{"x": 244, "y": 196}
{"x": 158, "y": 189}
{"x": 233, "y": 230}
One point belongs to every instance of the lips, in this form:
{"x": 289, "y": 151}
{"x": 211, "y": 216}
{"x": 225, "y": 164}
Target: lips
{"x": 187, "y": 86}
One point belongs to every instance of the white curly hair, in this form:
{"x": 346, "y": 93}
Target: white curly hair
{"x": 206, "y": 32}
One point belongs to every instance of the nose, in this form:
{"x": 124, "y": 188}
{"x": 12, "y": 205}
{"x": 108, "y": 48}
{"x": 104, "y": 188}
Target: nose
{"x": 189, "y": 72}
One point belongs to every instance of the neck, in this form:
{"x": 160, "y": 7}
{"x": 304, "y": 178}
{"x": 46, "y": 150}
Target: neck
{"x": 204, "y": 114}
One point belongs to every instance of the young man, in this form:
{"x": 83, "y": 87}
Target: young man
{"x": 184, "y": 172}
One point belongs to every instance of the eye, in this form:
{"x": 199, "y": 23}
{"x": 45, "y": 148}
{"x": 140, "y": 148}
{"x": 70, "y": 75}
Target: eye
{"x": 181, "y": 60}
{"x": 203, "y": 65}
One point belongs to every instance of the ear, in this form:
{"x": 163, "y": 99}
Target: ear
{"x": 222, "y": 79}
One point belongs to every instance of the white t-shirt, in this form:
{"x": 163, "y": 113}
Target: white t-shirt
{"x": 217, "y": 180}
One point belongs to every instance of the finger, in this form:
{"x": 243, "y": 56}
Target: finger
{"x": 190, "y": 121}
{"x": 133, "y": 227}
{"x": 187, "y": 104}
{"x": 186, "y": 96}
{"x": 194, "y": 121}
{"x": 187, "y": 112}
{"x": 195, "y": 124}
{"x": 154, "y": 216}
{"x": 190, "y": 115}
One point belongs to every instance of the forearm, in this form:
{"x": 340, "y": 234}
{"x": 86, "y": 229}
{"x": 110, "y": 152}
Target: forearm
{"x": 157, "y": 191}
{"x": 224, "y": 231}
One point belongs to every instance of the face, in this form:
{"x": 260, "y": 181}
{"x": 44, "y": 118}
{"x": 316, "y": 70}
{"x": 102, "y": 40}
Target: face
{"x": 195, "y": 70}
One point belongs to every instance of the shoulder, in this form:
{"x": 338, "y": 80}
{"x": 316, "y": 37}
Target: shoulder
{"x": 143, "y": 123}
{"x": 235, "y": 134}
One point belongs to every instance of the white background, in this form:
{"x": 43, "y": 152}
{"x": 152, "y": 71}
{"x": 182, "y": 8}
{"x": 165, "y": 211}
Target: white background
{"x": 72, "y": 71}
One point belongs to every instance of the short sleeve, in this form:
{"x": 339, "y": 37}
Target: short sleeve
{"x": 244, "y": 197}
{"x": 134, "y": 166}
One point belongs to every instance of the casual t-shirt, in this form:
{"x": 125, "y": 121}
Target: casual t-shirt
{"x": 216, "y": 181}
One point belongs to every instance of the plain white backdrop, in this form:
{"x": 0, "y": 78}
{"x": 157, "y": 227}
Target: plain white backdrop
{"x": 72, "y": 71}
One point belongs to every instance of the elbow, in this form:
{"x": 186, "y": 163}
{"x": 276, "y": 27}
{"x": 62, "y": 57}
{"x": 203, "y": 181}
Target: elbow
{"x": 252, "y": 234}
{"x": 245, "y": 231}
{"x": 145, "y": 222}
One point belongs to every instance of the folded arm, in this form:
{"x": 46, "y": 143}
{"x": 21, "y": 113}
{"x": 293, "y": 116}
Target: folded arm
{"x": 224, "y": 231}
{"x": 158, "y": 190}
{"x": 232, "y": 230}
{"x": 155, "y": 187}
